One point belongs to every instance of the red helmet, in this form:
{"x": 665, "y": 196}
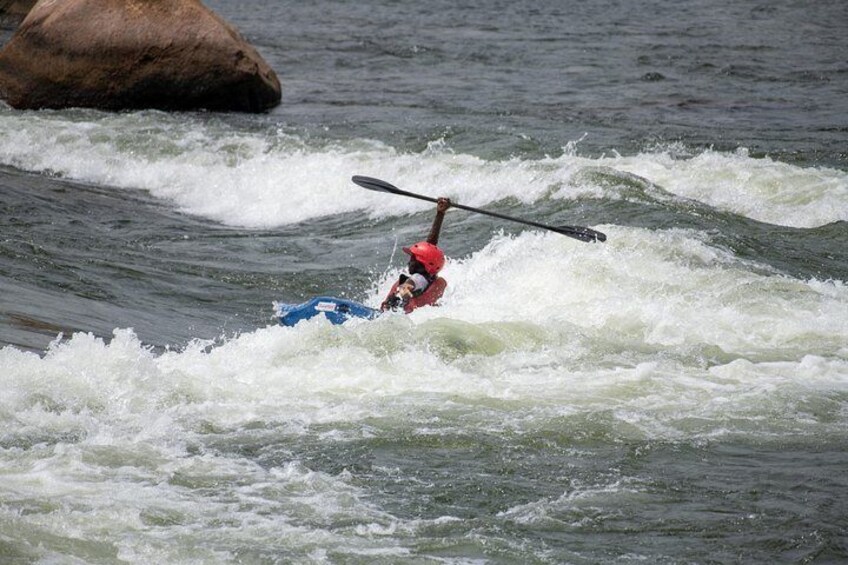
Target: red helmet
{"x": 428, "y": 255}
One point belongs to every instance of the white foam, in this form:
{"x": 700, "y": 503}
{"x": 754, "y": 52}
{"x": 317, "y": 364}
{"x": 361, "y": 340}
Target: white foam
{"x": 762, "y": 189}
{"x": 645, "y": 324}
{"x": 666, "y": 288}
{"x": 194, "y": 454}
{"x": 267, "y": 178}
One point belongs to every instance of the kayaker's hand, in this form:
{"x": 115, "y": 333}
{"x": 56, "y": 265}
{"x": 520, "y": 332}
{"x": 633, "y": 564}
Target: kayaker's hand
{"x": 391, "y": 303}
{"x": 442, "y": 204}
{"x": 404, "y": 291}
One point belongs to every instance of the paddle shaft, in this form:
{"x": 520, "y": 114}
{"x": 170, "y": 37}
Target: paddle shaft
{"x": 480, "y": 211}
{"x": 581, "y": 233}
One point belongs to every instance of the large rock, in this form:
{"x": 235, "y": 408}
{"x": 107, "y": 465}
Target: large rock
{"x": 116, "y": 54}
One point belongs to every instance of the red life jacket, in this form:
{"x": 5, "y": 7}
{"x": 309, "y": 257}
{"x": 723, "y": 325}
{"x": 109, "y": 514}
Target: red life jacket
{"x": 429, "y": 297}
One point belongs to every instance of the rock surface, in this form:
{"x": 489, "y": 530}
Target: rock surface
{"x": 15, "y": 8}
{"x": 132, "y": 54}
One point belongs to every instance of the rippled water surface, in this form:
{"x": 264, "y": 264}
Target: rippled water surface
{"x": 678, "y": 394}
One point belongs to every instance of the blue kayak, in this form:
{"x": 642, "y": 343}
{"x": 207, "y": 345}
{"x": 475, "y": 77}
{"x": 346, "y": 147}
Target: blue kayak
{"x": 337, "y": 310}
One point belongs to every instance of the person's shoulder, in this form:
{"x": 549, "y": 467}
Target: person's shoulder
{"x": 419, "y": 280}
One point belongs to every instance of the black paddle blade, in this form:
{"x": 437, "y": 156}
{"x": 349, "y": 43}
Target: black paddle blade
{"x": 583, "y": 234}
{"x": 382, "y": 186}
{"x": 375, "y": 184}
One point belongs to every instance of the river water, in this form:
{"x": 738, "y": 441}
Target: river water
{"x": 678, "y": 394}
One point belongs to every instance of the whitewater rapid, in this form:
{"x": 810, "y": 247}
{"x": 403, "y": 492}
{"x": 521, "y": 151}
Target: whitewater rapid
{"x": 270, "y": 177}
{"x": 677, "y": 394}
{"x": 675, "y": 336}
{"x": 648, "y": 320}
{"x": 685, "y": 333}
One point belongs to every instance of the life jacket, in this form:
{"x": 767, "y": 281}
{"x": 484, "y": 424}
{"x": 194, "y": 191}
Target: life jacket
{"x": 429, "y": 297}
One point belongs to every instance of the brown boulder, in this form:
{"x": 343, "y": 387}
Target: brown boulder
{"x": 129, "y": 54}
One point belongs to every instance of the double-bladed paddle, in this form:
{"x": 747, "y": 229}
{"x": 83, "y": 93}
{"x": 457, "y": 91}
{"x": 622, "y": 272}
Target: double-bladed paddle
{"x": 577, "y": 232}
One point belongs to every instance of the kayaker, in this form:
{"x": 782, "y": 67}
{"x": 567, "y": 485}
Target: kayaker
{"x": 422, "y": 286}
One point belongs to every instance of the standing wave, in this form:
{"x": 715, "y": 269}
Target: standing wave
{"x": 269, "y": 177}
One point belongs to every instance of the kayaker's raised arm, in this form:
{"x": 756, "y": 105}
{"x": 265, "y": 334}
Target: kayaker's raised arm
{"x": 441, "y": 207}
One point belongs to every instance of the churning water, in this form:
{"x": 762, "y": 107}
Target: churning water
{"x": 677, "y": 394}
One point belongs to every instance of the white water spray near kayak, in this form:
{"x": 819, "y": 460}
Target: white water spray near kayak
{"x": 656, "y": 336}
